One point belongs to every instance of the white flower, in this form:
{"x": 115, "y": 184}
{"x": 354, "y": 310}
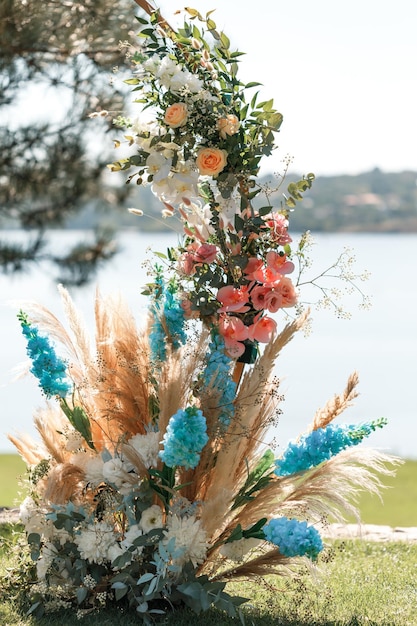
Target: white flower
{"x": 147, "y": 446}
{"x": 236, "y": 550}
{"x": 188, "y": 534}
{"x": 133, "y": 533}
{"x": 94, "y": 542}
{"x": 150, "y": 129}
{"x": 158, "y": 166}
{"x": 92, "y": 467}
{"x": 152, "y": 64}
{"x": 116, "y": 471}
{"x": 48, "y": 553}
{"x": 151, "y": 518}
{"x": 166, "y": 70}
{"x": 33, "y": 518}
{"x": 185, "y": 80}
{"x": 194, "y": 84}
{"x": 199, "y": 217}
{"x": 114, "y": 552}
{"x": 228, "y": 208}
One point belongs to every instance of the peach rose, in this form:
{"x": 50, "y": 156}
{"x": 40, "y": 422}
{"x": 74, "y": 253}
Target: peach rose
{"x": 176, "y": 115}
{"x": 228, "y": 125}
{"x": 211, "y": 161}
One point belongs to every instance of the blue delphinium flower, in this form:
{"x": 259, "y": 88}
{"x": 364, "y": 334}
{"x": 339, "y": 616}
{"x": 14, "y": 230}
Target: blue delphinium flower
{"x": 185, "y": 437}
{"x": 49, "y": 369}
{"x": 293, "y": 538}
{"x": 217, "y": 374}
{"x": 321, "y": 444}
{"x": 168, "y": 319}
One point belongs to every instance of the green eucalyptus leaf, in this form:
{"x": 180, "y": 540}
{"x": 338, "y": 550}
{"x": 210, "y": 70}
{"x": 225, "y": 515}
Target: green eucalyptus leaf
{"x": 81, "y": 593}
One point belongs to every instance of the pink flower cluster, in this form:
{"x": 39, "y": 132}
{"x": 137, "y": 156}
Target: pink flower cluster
{"x": 268, "y": 289}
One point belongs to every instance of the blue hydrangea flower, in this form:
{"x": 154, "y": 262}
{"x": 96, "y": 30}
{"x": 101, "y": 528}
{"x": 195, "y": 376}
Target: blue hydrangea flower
{"x": 168, "y": 319}
{"x": 293, "y": 538}
{"x": 217, "y": 373}
{"x": 49, "y": 369}
{"x": 321, "y": 444}
{"x": 185, "y": 437}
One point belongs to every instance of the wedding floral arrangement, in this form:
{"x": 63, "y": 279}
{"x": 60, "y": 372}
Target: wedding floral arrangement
{"x": 153, "y": 484}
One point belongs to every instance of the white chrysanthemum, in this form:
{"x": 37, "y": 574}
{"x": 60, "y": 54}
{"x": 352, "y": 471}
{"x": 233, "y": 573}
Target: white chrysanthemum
{"x": 188, "y": 534}
{"x": 151, "y": 518}
{"x": 94, "y": 542}
{"x": 236, "y": 550}
{"x": 147, "y": 446}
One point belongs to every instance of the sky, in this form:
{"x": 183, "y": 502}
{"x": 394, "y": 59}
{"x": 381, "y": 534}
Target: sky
{"x": 343, "y": 74}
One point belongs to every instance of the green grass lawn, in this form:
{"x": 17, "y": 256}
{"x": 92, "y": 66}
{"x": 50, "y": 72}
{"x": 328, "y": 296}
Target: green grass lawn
{"x": 11, "y": 469}
{"x": 398, "y": 507}
{"x": 358, "y": 584}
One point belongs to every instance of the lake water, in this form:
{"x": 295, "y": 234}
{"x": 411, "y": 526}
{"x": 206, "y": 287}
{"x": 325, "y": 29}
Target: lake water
{"x": 380, "y": 343}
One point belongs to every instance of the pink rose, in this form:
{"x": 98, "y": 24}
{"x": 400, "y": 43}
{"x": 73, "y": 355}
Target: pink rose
{"x": 176, "y": 115}
{"x": 206, "y": 253}
{"x": 287, "y": 292}
{"x": 186, "y": 263}
{"x": 211, "y": 161}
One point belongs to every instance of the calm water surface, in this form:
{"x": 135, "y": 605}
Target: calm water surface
{"x": 380, "y": 344}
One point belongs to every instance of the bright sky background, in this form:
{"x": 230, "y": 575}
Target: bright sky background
{"x": 343, "y": 74}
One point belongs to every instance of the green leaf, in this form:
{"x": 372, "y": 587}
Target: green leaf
{"x": 81, "y": 593}
{"x": 264, "y": 210}
{"x": 224, "y": 40}
{"x": 193, "y": 13}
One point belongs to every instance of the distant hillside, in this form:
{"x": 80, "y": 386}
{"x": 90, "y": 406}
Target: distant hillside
{"x": 373, "y": 201}
{"x": 369, "y": 202}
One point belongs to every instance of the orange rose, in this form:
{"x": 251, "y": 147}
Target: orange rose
{"x": 211, "y": 161}
{"x": 176, "y": 115}
{"x": 228, "y": 125}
